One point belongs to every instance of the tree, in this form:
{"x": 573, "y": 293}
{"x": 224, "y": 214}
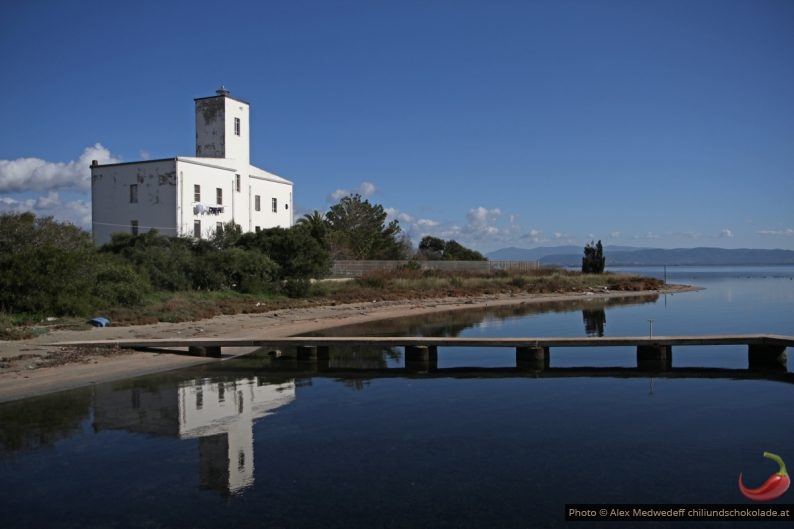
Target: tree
{"x": 166, "y": 261}
{"x": 454, "y": 251}
{"x": 593, "y": 261}
{"x": 317, "y": 227}
{"x": 226, "y": 236}
{"x": 48, "y": 267}
{"x": 435, "y": 249}
{"x": 297, "y": 254}
{"x": 432, "y": 248}
{"x": 358, "y": 230}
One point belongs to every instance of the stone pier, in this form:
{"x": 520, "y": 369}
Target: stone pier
{"x": 534, "y": 357}
{"x": 213, "y": 351}
{"x": 312, "y": 352}
{"x": 654, "y": 357}
{"x": 762, "y": 356}
{"x": 421, "y": 357}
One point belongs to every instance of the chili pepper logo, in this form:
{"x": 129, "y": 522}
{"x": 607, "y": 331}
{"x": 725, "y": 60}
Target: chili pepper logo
{"x": 774, "y": 487}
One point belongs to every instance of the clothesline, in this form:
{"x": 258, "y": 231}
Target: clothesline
{"x": 203, "y": 209}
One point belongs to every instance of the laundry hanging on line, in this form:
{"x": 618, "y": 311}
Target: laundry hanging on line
{"x": 203, "y": 209}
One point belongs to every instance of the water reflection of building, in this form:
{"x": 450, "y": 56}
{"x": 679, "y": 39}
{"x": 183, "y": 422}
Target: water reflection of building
{"x": 219, "y": 413}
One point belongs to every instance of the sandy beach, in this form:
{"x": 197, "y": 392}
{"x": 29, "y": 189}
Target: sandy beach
{"x": 34, "y": 367}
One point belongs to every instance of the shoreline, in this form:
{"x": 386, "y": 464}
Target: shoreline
{"x": 21, "y": 361}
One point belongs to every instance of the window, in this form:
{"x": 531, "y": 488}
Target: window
{"x": 274, "y": 203}
{"x": 257, "y": 203}
{"x": 197, "y": 229}
{"x": 196, "y": 193}
{"x": 218, "y": 196}
{"x": 237, "y": 182}
{"x": 133, "y": 193}
{"x": 236, "y": 126}
{"x": 257, "y": 229}
{"x": 219, "y": 227}
{"x": 134, "y": 227}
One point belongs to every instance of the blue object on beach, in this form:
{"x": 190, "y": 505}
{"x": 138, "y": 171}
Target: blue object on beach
{"x": 99, "y": 322}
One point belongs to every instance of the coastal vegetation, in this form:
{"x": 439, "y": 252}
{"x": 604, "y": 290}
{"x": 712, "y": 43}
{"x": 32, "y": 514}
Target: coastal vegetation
{"x": 52, "y": 270}
{"x": 593, "y": 261}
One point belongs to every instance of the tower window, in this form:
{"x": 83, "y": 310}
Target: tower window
{"x": 237, "y": 182}
{"x": 197, "y": 229}
{"x": 133, "y": 193}
{"x": 196, "y": 193}
{"x": 219, "y": 196}
{"x": 274, "y": 203}
{"x": 236, "y": 126}
{"x": 134, "y": 227}
{"x": 257, "y": 203}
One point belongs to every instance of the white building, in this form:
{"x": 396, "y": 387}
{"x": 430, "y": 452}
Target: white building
{"x": 193, "y": 195}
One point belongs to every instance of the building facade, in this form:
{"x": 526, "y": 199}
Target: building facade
{"x": 193, "y": 195}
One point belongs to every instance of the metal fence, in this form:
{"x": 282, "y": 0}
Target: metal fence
{"x": 359, "y": 268}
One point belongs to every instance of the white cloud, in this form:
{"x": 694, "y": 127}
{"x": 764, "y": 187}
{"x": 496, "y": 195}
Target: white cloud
{"x": 35, "y": 174}
{"x": 563, "y": 237}
{"x": 535, "y": 236}
{"x": 481, "y": 216}
{"x": 76, "y": 211}
{"x": 614, "y": 235}
{"x": 365, "y": 189}
{"x": 726, "y": 234}
{"x": 427, "y": 223}
{"x": 788, "y": 232}
{"x": 144, "y": 154}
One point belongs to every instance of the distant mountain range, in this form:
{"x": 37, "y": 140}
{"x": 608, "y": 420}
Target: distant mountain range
{"x": 632, "y": 256}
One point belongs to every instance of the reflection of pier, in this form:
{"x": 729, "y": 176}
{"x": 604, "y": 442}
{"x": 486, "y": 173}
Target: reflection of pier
{"x": 654, "y": 353}
{"x": 351, "y": 373}
{"x": 219, "y": 413}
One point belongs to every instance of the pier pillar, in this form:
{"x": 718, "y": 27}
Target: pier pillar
{"x": 314, "y": 356}
{"x": 421, "y": 358}
{"x": 213, "y": 351}
{"x": 534, "y": 357}
{"x": 763, "y": 356}
{"x": 654, "y": 357}
{"x": 306, "y": 353}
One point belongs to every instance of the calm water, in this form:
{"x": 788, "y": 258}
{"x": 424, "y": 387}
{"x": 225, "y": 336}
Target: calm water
{"x": 266, "y": 442}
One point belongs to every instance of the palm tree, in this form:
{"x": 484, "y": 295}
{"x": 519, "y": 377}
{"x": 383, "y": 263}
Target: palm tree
{"x": 316, "y": 225}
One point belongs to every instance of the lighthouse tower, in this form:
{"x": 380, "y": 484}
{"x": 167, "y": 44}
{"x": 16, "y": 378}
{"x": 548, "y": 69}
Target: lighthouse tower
{"x": 222, "y": 126}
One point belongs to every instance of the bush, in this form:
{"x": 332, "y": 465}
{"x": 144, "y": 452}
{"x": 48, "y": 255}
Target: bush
{"x": 167, "y": 261}
{"x": 297, "y": 254}
{"x": 296, "y": 288}
{"x": 45, "y": 266}
{"x": 118, "y": 283}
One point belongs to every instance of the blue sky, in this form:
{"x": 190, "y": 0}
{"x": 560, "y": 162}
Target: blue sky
{"x": 529, "y": 123}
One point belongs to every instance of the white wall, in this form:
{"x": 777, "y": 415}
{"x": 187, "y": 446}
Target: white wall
{"x": 266, "y": 218}
{"x": 238, "y": 147}
{"x": 209, "y": 178}
{"x": 111, "y": 208}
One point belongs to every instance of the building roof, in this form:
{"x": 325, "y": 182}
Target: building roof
{"x": 225, "y": 164}
{"x": 230, "y": 164}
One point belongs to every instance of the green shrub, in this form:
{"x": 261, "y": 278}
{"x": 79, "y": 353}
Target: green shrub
{"x": 118, "y": 283}
{"x": 296, "y": 288}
